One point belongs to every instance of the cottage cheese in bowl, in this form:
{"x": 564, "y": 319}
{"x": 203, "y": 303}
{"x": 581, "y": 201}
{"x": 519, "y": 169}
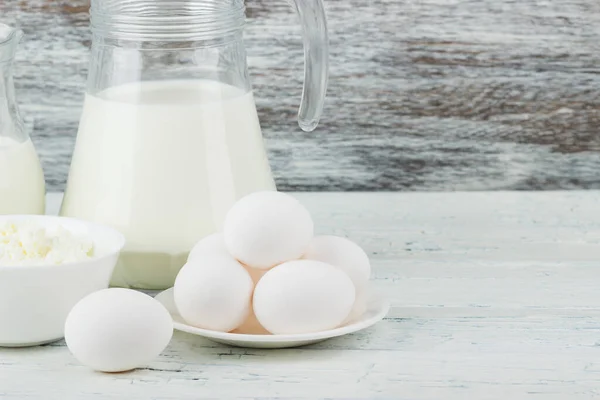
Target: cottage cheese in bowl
{"x": 48, "y": 264}
{"x": 28, "y": 243}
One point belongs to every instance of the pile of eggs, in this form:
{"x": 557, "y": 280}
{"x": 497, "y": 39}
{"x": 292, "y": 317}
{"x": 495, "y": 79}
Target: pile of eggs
{"x": 267, "y": 273}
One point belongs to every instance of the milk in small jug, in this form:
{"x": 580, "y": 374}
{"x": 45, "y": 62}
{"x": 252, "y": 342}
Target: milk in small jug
{"x": 22, "y": 185}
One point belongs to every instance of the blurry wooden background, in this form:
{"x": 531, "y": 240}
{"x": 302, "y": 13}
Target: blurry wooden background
{"x": 424, "y": 94}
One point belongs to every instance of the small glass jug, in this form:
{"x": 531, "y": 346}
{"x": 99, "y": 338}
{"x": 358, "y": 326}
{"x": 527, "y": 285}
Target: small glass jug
{"x": 22, "y": 185}
{"x": 169, "y": 138}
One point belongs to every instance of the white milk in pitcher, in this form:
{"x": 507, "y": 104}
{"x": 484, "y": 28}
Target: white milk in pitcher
{"x": 163, "y": 162}
{"x": 22, "y": 186}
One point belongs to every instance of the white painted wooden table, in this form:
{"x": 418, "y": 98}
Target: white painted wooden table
{"x": 495, "y": 296}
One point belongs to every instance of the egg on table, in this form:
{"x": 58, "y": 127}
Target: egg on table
{"x": 115, "y": 330}
{"x": 303, "y": 296}
{"x": 268, "y": 228}
{"x": 213, "y": 292}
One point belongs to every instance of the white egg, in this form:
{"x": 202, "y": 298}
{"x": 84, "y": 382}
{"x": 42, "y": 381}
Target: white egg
{"x": 264, "y": 229}
{"x": 344, "y": 254}
{"x": 303, "y": 297}
{"x": 213, "y": 293}
{"x": 117, "y": 330}
{"x": 211, "y": 245}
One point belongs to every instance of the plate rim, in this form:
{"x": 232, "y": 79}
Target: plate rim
{"x": 374, "y": 302}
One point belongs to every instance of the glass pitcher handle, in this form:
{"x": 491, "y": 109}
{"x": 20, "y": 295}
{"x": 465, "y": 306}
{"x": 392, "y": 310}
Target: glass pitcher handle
{"x": 316, "y": 61}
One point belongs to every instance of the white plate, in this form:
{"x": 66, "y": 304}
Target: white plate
{"x": 377, "y": 309}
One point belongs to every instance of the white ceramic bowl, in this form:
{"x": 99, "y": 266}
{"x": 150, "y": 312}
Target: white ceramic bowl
{"x": 35, "y": 300}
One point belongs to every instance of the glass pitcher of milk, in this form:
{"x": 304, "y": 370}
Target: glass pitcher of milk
{"x": 22, "y": 186}
{"x": 169, "y": 138}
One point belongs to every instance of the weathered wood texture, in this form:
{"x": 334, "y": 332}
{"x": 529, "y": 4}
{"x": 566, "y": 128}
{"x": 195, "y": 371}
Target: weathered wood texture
{"x": 494, "y": 296}
{"x": 424, "y": 94}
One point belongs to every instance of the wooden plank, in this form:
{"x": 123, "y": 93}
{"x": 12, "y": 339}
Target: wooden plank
{"x": 424, "y": 94}
{"x": 402, "y": 358}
